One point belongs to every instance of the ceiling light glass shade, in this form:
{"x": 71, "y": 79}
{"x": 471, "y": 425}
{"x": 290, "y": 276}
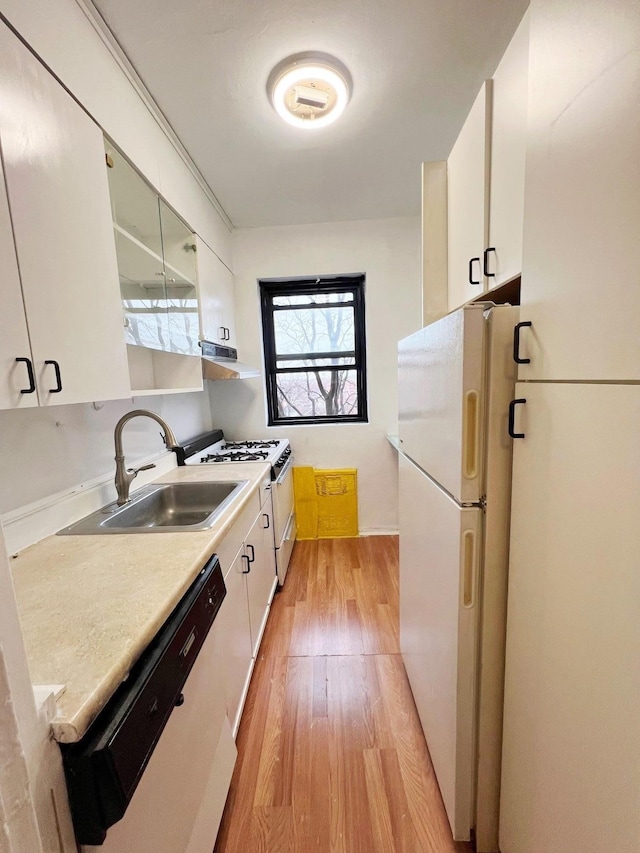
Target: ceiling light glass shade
{"x": 292, "y": 85}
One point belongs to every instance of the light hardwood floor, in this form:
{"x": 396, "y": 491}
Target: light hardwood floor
{"x": 331, "y": 756}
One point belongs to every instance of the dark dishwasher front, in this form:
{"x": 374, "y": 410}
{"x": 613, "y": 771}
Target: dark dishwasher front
{"x": 103, "y": 769}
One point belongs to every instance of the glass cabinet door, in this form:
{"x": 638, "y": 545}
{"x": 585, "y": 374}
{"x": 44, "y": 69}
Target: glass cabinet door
{"x": 136, "y": 221}
{"x": 179, "y": 253}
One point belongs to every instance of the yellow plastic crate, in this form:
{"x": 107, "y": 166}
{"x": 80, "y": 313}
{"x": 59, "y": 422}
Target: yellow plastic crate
{"x": 326, "y": 502}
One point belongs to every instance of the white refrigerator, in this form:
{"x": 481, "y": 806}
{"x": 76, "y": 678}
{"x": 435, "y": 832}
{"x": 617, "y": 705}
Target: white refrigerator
{"x": 456, "y": 381}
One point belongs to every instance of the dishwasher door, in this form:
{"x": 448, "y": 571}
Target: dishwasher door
{"x": 178, "y": 804}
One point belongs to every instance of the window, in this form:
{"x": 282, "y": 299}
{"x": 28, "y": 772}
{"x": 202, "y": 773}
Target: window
{"x": 314, "y": 348}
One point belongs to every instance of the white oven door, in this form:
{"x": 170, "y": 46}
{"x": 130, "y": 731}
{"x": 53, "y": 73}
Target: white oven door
{"x": 282, "y": 492}
{"x": 284, "y": 519}
{"x": 283, "y": 553}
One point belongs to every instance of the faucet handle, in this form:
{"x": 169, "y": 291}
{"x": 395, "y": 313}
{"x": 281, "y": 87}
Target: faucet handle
{"x": 168, "y": 444}
{"x": 136, "y": 471}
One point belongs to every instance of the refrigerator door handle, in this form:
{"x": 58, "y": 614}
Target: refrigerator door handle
{"x": 469, "y": 569}
{"x": 470, "y": 434}
{"x": 516, "y": 342}
{"x": 512, "y": 417}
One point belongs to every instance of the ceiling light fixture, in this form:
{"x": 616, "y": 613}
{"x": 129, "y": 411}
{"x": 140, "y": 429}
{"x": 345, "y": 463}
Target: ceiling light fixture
{"x": 309, "y": 89}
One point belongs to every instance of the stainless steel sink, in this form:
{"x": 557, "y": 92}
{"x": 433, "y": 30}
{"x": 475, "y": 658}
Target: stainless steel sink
{"x": 162, "y": 508}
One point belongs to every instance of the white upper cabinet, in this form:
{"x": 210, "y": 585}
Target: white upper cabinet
{"x": 17, "y": 382}
{"x": 581, "y": 250}
{"x": 485, "y": 179}
{"x": 59, "y": 201}
{"x": 508, "y": 144}
{"x": 156, "y": 263}
{"x": 217, "y": 301}
{"x": 467, "y": 180}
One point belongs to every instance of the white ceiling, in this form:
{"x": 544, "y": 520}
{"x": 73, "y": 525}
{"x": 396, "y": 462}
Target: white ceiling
{"x": 416, "y": 67}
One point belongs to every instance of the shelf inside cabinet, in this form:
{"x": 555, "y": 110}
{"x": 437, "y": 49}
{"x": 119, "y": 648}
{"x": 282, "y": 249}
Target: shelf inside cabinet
{"x": 138, "y": 263}
{"x": 181, "y": 278}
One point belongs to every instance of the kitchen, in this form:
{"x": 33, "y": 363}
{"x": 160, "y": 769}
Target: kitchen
{"x": 69, "y": 445}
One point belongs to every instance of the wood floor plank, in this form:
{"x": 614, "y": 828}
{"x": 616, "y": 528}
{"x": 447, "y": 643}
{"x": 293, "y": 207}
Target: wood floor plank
{"x": 331, "y": 755}
{"x": 402, "y": 827}
{"x": 378, "y": 802}
{"x": 270, "y": 745}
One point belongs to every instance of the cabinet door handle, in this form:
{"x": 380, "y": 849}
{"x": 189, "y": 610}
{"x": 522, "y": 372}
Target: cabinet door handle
{"x": 253, "y": 553}
{"x": 486, "y": 263}
{"x": 30, "y": 375}
{"x": 471, "y": 278}
{"x": 56, "y": 367}
{"x": 248, "y": 564}
{"x": 516, "y": 342}
{"x": 512, "y": 418}
{"x": 265, "y": 515}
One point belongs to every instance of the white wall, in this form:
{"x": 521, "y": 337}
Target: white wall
{"x": 388, "y": 252}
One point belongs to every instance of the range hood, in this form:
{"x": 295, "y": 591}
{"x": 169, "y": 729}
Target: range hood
{"x": 220, "y": 362}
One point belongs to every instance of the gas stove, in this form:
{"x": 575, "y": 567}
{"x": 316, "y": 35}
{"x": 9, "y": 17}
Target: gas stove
{"x": 212, "y": 448}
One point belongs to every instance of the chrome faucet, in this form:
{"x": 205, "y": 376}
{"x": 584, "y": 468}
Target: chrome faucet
{"x": 124, "y": 476}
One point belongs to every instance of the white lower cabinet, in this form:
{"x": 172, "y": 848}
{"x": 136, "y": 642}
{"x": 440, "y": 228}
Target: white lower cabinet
{"x": 248, "y": 564}
{"x": 256, "y": 561}
{"x": 571, "y": 745}
{"x": 236, "y": 628}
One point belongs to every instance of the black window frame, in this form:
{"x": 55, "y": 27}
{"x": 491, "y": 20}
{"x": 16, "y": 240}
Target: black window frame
{"x": 272, "y": 288}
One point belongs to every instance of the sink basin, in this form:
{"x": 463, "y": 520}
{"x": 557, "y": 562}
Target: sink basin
{"x": 162, "y": 508}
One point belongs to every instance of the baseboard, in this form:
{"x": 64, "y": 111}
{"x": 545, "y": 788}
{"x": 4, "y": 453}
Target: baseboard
{"x": 379, "y": 531}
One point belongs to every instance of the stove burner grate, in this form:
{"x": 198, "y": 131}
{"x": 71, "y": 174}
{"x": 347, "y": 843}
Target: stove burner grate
{"x": 236, "y": 456}
{"x": 253, "y": 444}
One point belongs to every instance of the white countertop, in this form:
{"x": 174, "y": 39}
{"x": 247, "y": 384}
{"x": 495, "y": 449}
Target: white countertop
{"x": 90, "y": 605}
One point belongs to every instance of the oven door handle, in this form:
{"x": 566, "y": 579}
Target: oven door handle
{"x": 285, "y": 470}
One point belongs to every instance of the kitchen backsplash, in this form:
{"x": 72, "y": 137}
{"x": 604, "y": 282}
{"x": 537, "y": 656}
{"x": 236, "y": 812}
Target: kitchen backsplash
{"x": 49, "y": 450}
